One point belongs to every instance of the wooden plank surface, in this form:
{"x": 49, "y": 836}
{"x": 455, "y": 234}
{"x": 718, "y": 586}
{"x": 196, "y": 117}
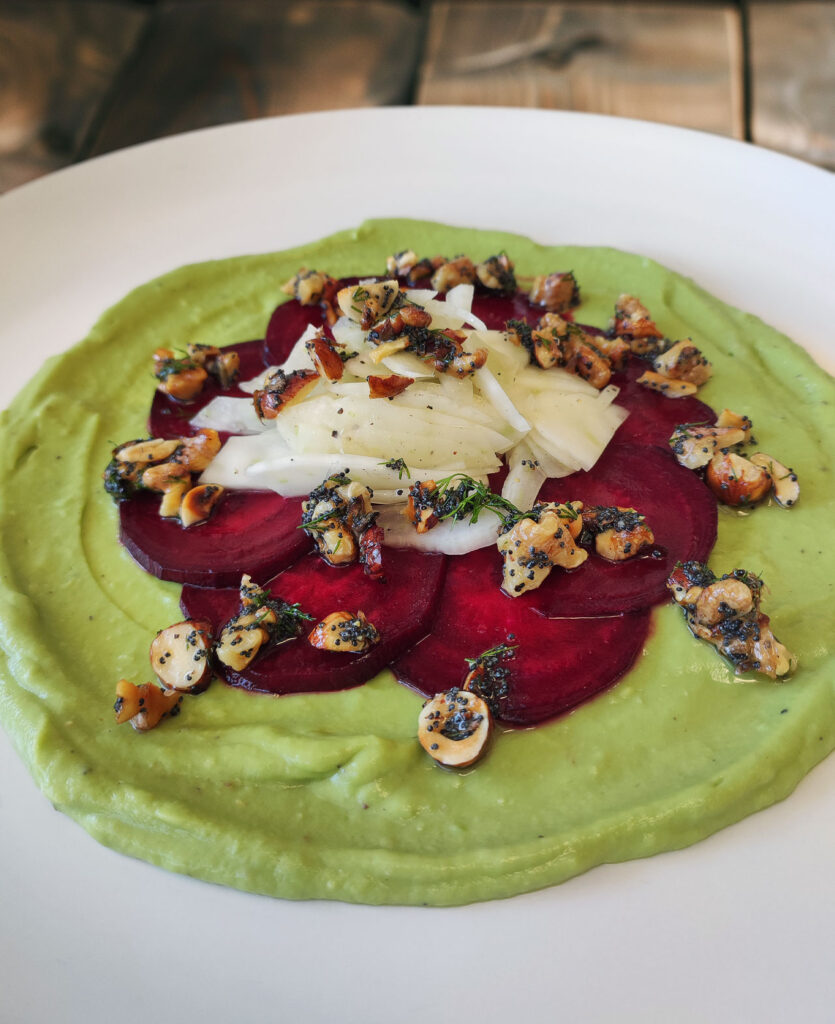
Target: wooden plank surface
{"x": 680, "y": 64}
{"x": 58, "y": 59}
{"x": 792, "y": 48}
{"x": 207, "y": 62}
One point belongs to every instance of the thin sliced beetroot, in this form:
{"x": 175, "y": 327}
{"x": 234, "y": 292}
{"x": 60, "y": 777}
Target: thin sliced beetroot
{"x": 169, "y": 418}
{"x": 401, "y": 610}
{"x": 558, "y": 663}
{"x": 249, "y": 531}
{"x": 496, "y": 310}
{"x": 679, "y": 508}
{"x": 286, "y": 326}
{"x": 652, "y": 417}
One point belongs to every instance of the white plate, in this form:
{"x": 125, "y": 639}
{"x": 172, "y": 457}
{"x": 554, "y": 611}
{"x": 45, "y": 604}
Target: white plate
{"x": 737, "y": 928}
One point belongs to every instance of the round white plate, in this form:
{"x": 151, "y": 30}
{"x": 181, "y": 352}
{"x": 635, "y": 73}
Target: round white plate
{"x": 737, "y": 928}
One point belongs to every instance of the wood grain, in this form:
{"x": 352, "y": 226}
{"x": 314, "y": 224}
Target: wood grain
{"x": 793, "y": 78}
{"x": 207, "y": 62}
{"x": 680, "y": 64}
{"x": 58, "y": 59}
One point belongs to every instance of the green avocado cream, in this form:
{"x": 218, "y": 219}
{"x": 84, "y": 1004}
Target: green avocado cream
{"x": 330, "y": 795}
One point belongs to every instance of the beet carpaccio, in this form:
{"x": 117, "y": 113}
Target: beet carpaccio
{"x": 434, "y": 615}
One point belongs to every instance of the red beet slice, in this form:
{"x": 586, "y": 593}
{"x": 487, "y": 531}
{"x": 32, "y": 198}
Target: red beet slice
{"x": 558, "y": 663}
{"x": 286, "y": 326}
{"x": 495, "y": 310}
{"x": 679, "y": 508}
{"x": 249, "y": 531}
{"x": 401, "y": 609}
{"x": 169, "y": 418}
{"x": 653, "y": 417}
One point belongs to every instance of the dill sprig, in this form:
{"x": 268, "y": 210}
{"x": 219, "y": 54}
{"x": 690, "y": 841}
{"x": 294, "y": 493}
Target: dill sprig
{"x": 469, "y": 497}
{"x": 500, "y": 651}
{"x": 399, "y": 465}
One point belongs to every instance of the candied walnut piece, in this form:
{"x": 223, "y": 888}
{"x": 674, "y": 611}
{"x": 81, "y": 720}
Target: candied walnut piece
{"x": 725, "y": 612}
{"x": 458, "y": 271}
{"x": 556, "y": 292}
{"x": 666, "y": 386}
{"x": 454, "y": 727}
{"x": 683, "y": 361}
{"x": 223, "y": 366}
{"x": 388, "y": 387}
{"x": 728, "y": 418}
{"x": 371, "y": 552}
{"x": 326, "y": 359}
{"x": 619, "y": 533}
{"x": 496, "y": 273}
{"x": 281, "y": 389}
{"x": 344, "y": 633}
{"x": 180, "y": 656}
{"x": 737, "y": 481}
{"x": 144, "y": 705}
{"x": 784, "y": 483}
{"x": 199, "y": 503}
{"x": 545, "y": 537}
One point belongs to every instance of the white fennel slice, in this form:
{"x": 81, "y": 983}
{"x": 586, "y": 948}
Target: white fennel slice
{"x": 233, "y": 415}
{"x": 525, "y": 477}
{"x": 451, "y": 537}
{"x": 230, "y": 466}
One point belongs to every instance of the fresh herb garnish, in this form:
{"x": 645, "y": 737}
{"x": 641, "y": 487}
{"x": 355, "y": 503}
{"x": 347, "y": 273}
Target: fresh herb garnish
{"x": 399, "y": 465}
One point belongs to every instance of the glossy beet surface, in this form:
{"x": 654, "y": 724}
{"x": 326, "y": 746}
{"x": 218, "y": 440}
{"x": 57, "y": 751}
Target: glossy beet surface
{"x": 558, "y": 662}
{"x": 401, "y": 610}
{"x": 169, "y": 418}
{"x": 249, "y": 531}
{"x": 652, "y": 417}
{"x": 678, "y": 507}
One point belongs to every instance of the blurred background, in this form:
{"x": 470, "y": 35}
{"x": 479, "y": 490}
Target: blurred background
{"x": 83, "y": 77}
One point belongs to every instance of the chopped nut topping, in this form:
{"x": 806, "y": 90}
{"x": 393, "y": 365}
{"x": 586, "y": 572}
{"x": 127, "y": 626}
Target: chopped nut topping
{"x": 180, "y": 656}
{"x": 144, "y": 705}
{"x": 309, "y": 287}
{"x": 454, "y": 727}
{"x": 726, "y": 613}
{"x": 619, "y": 533}
{"x": 534, "y": 545}
{"x": 458, "y": 271}
{"x": 326, "y": 359}
{"x": 683, "y": 361}
{"x": 368, "y": 302}
{"x": 344, "y": 633}
{"x": 280, "y": 390}
{"x": 401, "y": 263}
{"x": 556, "y": 292}
{"x": 263, "y": 620}
{"x": 153, "y": 450}
{"x": 496, "y": 273}
{"x": 784, "y": 484}
{"x": 388, "y": 387}
{"x": 199, "y": 503}
{"x": 666, "y": 386}
{"x": 337, "y": 515}
{"x": 695, "y": 444}
{"x": 737, "y": 481}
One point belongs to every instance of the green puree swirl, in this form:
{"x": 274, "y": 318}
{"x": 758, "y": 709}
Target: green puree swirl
{"x": 331, "y": 795}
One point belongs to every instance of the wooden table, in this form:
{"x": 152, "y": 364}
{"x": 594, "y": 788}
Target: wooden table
{"x": 83, "y": 77}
